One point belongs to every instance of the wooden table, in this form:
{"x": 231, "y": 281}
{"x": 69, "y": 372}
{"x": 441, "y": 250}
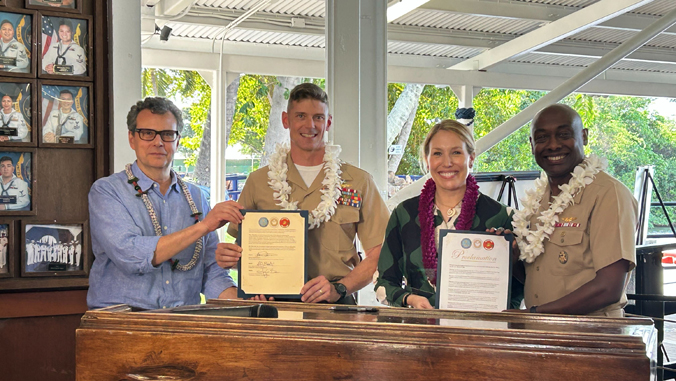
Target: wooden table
{"x": 311, "y": 342}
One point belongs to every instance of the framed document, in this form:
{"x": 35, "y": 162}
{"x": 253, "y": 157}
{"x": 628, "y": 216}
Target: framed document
{"x": 474, "y": 271}
{"x": 274, "y": 252}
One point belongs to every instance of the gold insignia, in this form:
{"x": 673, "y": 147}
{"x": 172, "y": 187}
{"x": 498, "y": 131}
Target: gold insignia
{"x": 563, "y": 257}
{"x": 568, "y": 219}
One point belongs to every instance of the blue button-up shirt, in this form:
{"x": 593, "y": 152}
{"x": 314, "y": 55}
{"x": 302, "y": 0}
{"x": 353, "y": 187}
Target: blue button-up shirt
{"x": 124, "y": 241}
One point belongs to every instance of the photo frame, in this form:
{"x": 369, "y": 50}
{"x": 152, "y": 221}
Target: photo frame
{"x": 18, "y": 42}
{"x": 17, "y": 181}
{"x": 65, "y": 114}
{"x": 17, "y": 112}
{"x": 65, "y": 47}
{"x": 54, "y": 249}
{"x": 7, "y": 248}
{"x": 73, "y": 6}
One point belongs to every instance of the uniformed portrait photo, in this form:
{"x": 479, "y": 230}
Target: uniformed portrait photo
{"x": 15, "y": 99}
{"x": 64, "y": 44}
{"x": 15, "y": 185}
{"x": 15, "y": 42}
{"x": 52, "y": 4}
{"x": 65, "y": 114}
{"x": 4, "y": 248}
{"x": 52, "y": 248}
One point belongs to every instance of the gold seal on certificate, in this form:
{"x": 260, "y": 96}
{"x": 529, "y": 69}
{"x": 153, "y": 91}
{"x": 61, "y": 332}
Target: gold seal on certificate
{"x": 474, "y": 271}
{"x": 274, "y": 246}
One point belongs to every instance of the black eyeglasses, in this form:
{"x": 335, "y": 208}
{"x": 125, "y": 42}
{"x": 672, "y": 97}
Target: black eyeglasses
{"x": 149, "y": 135}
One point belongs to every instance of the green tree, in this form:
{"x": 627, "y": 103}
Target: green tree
{"x": 189, "y": 87}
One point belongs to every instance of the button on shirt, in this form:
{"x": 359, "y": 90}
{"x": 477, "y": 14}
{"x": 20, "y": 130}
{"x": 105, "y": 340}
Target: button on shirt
{"x": 595, "y": 232}
{"x": 123, "y": 241}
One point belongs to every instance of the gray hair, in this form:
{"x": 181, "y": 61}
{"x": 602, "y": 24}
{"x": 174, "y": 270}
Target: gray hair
{"x": 156, "y": 105}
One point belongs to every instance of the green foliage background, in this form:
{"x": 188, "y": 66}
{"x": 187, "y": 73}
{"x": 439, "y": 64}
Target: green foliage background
{"x": 621, "y": 128}
{"x": 190, "y": 88}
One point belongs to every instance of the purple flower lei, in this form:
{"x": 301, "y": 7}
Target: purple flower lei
{"x": 426, "y": 215}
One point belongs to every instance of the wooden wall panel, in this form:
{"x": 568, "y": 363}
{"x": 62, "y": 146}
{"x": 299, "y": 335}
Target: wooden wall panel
{"x": 38, "y": 316}
{"x": 64, "y": 175}
{"x": 38, "y": 348}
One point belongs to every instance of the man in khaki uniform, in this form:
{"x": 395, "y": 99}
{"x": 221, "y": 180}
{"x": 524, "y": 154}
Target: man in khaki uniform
{"x": 334, "y": 266}
{"x": 586, "y": 258}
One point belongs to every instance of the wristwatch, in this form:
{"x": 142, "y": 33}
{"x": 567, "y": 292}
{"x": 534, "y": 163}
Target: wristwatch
{"x": 340, "y": 289}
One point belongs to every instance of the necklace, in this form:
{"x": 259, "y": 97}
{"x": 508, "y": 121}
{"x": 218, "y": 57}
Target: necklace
{"x": 330, "y": 190}
{"x": 133, "y": 180}
{"x": 450, "y": 212}
{"x": 531, "y": 242}
{"x": 426, "y": 216}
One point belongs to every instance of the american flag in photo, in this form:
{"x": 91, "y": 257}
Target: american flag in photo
{"x": 50, "y": 96}
{"x": 48, "y": 34}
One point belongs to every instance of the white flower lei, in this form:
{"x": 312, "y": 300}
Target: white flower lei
{"x": 330, "y": 185}
{"x": 531, "y": 242}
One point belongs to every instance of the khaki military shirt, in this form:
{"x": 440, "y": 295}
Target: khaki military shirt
{"x": 331, "y": 248}
{"x": 596, "y": 231}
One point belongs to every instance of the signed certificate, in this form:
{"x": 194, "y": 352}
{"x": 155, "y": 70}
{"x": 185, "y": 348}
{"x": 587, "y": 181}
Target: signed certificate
{"x": 274, "y": 244}
{"x": 474, "y": 271}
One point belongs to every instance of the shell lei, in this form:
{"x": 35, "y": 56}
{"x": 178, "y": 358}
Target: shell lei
{"x": 531, "y": 242}
{"x": 131, "y": 179}
{"x": 330, "y": 185}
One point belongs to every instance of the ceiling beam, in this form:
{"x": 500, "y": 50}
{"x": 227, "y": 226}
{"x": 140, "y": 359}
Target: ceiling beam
{"x": 191, "y": 54}
{"x": 398, "y": 8}
{"x": 552, "y": 32}
{"x": 422, "y": 35}
{"x": 172, "y": 7}
{"x": 534, "y": 11}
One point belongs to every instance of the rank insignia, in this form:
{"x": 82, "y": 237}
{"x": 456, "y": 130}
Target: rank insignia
{"x": 567, "y": 224}
{"x": 349, "y": 197}
{"x": 563, "y": 257}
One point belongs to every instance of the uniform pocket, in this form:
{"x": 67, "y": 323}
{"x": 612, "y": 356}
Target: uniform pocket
{"x": 568, "y": 252}
{"x": 347, "y": 217}
{"x": 340, "y": 228}
{"x": 564, "y": 238}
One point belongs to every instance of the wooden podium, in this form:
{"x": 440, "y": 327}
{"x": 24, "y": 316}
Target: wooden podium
{"x": 312, "y": 342}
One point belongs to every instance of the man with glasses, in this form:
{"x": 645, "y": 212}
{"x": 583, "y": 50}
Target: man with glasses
{"x": 153, "y": 235}
{"x": 64, "y": 124}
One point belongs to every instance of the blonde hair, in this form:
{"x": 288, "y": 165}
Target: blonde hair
{"x": 450, "y": 125}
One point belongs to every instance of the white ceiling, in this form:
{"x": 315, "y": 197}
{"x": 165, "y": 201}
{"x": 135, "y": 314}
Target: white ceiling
{"x": 441, "y": 34}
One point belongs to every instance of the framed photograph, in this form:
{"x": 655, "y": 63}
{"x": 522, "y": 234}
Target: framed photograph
{"x": 17, "y": 113}
{"x": 54, "y": 249}
{"x": 62, "y": 5}
{"x": 17, "y": 181}
{"x": 17, "y": 37}
{"x": 65, "y": 48}
{"x": 65, "y": 114}
{"x": 6, "y": 248}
